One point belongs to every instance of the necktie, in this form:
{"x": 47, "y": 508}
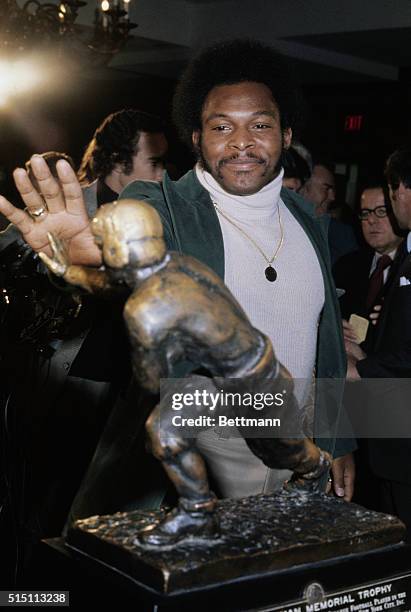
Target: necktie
{"x": 377, "y": 280}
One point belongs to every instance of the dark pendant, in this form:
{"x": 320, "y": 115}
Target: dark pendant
{"x": 270, "y": 274}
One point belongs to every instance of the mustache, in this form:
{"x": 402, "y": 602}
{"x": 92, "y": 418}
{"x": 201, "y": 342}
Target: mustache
{"x": 235, "y": 157}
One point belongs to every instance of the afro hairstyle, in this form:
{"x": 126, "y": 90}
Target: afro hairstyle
{"x": 228, "y": 63}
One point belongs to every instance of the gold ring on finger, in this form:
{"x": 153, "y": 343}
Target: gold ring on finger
{"x": 37, "y": 214}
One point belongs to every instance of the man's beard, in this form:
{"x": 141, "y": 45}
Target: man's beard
{"x": 206, "y": 166}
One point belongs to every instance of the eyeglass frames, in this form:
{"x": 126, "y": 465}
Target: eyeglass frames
{"x": 379, "y": 211}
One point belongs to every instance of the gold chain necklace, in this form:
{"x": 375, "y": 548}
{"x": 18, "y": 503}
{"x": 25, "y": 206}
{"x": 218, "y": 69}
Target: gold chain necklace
{"x": 270, "y": 272}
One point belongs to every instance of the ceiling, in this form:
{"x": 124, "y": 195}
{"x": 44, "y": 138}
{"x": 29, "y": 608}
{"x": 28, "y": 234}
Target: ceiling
{"x": 329, "y": 41}
{"x": 388, "y": 46}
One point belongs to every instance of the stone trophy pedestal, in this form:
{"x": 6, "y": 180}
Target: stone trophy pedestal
{"x": 306, "y": 552}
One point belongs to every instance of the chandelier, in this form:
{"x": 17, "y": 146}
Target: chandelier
{"x": 44, "y": 26}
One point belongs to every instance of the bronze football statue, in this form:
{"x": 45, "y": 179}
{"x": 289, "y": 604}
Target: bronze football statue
{"x": 180, "y": 310}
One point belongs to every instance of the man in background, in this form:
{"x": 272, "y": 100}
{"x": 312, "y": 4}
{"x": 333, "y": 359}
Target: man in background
{"x": 364, "y": 277}
{"x": 363, "y": 273}
{"x": 387, "y": 357}
{"x": 320, "y": 191}
{"x": 320, "y": 188}
{"x": 129, "y": 145}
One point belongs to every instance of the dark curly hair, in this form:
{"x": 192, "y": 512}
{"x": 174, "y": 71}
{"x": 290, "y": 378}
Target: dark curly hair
{"x": 51, "y": 157}
{"x": 115, "y": 141}
{"x": 227, "y": 63}
{"x": 398, "y": 168}
{"x": 295, "y": 166}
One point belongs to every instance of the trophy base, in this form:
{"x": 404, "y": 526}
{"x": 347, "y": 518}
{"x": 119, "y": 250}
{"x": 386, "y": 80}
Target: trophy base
{"x": 259, "y": 535}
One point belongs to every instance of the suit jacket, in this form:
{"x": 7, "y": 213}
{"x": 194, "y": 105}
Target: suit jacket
{"x": 90, "y": 197}
{"x": 342, "y": 240}
{"x": 351, "y": 273}
{"x": 389, "y": 357}
{"x": 191, "y": 227}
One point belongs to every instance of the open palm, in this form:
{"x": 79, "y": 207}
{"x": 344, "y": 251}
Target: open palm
{"x": 66, "y": 216}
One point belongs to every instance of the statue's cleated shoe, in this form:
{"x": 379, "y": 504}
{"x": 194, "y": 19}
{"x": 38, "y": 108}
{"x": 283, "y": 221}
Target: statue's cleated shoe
{"x": 182, "y": 523}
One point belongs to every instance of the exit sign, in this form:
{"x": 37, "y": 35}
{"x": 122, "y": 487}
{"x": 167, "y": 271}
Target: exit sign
{"x": 353, "y": 123}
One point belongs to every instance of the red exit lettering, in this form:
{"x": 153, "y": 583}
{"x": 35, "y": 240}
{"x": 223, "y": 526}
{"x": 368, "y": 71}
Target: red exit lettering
{"x": 353, "y": 123}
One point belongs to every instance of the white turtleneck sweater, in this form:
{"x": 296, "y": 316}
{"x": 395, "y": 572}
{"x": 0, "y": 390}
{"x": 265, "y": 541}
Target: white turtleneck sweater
{"x": 286, "y": 310}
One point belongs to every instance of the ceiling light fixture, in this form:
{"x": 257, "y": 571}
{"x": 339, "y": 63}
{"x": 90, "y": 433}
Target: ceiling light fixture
{"x": 39, "y": 25}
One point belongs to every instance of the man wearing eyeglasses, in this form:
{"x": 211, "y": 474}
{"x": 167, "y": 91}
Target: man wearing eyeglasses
{"x": 388, "y": 360}
{"x": 364, "y": 274}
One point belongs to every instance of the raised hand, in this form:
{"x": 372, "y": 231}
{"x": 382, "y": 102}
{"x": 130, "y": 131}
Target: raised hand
{"x": 58, "y": 209}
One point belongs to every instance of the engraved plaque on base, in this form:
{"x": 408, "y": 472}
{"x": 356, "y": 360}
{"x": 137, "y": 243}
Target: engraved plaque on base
{"x": 390, "y": 594}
